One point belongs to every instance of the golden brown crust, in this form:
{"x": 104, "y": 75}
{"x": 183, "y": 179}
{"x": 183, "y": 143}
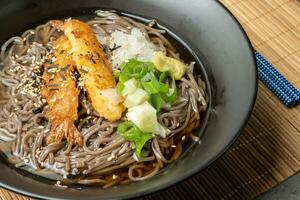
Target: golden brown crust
{"x": 94, "y": 67}
{"x": 61, "y": 95}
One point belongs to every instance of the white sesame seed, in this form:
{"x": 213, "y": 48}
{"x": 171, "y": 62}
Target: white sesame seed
{"x": 183, "y": 137}
{"x": 113, "y": 155}
{"x": 195, "y": 138}
{"x": 38, "y": 152}
{"x": 109, "y": 158}
{"x": 61, "y": 186}
{"x": 173, "y": 146}
{"x": 132, "y": 145}
{"x": 74, "y": 171}
{"x": 46, "y": 131}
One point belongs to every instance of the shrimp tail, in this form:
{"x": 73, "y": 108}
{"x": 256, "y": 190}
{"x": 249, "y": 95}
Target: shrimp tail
{"x": 58, "y": 24}
{"x": 65, "y": 130}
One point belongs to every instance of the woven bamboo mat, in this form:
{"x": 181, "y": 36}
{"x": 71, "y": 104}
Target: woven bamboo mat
{"x": 268, "y": 151}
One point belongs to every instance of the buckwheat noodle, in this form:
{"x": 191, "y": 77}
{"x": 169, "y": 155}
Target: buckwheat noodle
{"x": 105, "y": 158}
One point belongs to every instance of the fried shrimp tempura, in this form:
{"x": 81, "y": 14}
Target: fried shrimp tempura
{"x": 94, "y": 68}
{"x": 61, "y": 95}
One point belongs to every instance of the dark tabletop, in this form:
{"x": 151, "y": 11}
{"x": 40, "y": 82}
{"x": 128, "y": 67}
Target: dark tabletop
{"x": 288, "y": 190}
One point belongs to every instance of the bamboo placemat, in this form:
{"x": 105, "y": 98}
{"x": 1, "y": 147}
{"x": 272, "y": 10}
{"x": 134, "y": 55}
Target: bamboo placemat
{"x": 268, "y": 151}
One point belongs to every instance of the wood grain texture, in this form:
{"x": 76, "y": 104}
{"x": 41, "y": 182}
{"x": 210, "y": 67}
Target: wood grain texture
{"x": 268, "y": 151}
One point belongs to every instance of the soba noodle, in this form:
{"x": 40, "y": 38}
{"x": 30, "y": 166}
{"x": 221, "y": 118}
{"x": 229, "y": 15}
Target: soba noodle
{"x": 105, "y": 158}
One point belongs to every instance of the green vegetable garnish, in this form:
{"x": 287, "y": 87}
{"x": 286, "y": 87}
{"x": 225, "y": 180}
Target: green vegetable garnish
{"x": 141, "y": 84}
{"x": 149, "y": 79}
{"x": 144, "y": 116}
{"x": 135, "y": 69}
{"x": 152, "y": 86}
{"x": 164, "y": 88}
{"x": 129, "y": 87}
{"x": 138, "y": 97}
{"x": 120, "y": 87}
{"x": 132, "y": 133}
{"x": 171, "y": 96}
{"x": 157, "y": 101}
{"x": 163, "y": 76}
{"x": 116, "y": 73}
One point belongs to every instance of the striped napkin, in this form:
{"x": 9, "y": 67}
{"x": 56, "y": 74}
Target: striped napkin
{"x": 281, "y": 87}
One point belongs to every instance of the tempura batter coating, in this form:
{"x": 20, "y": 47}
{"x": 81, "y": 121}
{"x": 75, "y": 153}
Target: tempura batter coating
{"x": 94, "y": 67}
{"x": 61, "y": 95}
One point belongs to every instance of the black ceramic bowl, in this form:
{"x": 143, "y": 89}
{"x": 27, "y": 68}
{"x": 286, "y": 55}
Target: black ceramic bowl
{"x": 226, "y": 62}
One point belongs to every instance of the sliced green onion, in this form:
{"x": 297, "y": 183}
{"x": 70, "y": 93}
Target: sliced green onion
{"x": 157, "y": 101}
{"x": 130, "y": 87}
{"x": 164, "y": 88}
{"x": 163, "y": 76}
{"x": 149, "y": 79}
{"x": 123, "y": 78}
{"x": 144, "y": 117}
{"x": 116, "y": 73}
{"x": 132, "y": 133}
{"x": 120, "y": 87}
{"x": 138, "y": 97}
{"x": 171, "y": 96}
{"x": 152, "y": 86}
{"x": 137, "y": 69}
